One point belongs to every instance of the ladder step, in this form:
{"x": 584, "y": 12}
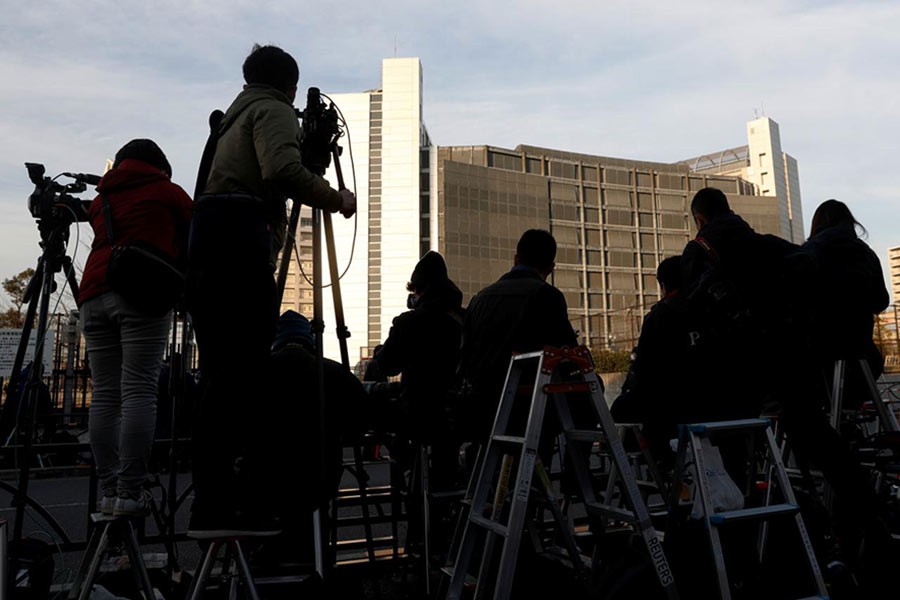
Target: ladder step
{"x": 763, "y": 512}
{"x": 508, "y": 439}
{"x": 494, "y": 526}
{"x": 585, "y": 435}
{"x": 701, "y": 428}
{"x": 595, "y": 509}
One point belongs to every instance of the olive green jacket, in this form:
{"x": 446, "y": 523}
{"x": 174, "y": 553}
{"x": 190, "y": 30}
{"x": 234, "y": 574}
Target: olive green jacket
{"x": 259, "y": 154}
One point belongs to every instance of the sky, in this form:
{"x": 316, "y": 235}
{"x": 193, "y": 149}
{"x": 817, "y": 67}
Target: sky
{"x": 657, "y": 81}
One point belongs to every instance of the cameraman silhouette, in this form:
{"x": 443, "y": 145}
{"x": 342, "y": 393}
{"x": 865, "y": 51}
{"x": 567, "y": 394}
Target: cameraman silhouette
{"x": 236, "y": 233}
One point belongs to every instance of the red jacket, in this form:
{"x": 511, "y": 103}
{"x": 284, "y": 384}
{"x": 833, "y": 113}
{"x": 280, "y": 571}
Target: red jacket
{"x": 145, "y": 206}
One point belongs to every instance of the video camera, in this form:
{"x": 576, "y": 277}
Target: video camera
{"x": 53, "y": 202}
{"x": 319, "y": 132}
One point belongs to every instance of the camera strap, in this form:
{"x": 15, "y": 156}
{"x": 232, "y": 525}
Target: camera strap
{"x": 107, "y": 216}
{"x": 216, "y": 131}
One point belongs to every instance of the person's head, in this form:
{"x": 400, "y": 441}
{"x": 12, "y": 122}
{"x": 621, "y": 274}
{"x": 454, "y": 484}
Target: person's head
{"x": 668, "y": 273}
{"x": 537, "y": 250}
{"x": 708, "y": 204}
{"x": 270, "y": 65}
{"x": 146, "y": 151}
{"x": 833, "y": 213}
{"x": 430, "y": 271}
{"x": 293, "y": 328}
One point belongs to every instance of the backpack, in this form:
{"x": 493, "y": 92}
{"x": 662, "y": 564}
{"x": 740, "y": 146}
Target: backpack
{"x": 719, "y": 313}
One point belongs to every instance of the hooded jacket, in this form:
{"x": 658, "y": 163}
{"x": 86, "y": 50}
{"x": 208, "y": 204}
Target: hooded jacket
{"x": 259, "y": 154}
{"x": 423, "y": 346}
{"x": 144, "y": 206}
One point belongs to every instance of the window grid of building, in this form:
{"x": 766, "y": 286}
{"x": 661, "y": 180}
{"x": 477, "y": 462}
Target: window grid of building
{"x": 375, "y": 229}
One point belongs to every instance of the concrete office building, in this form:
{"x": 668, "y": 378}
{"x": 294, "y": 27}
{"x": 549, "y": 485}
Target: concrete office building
{"x": 614, "y": 218}
{"x": 771, "y": 171}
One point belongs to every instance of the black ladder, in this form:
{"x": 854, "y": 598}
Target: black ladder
{"x": 512, "y": 457}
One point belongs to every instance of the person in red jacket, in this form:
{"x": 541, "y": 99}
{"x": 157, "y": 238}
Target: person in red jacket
{"x": 125, "y": 344}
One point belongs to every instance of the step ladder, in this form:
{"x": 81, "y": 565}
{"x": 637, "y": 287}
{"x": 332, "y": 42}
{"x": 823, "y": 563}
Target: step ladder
{"x": 107, "y": 529}
{"x": 647, "y": 474}
{"x": 691, "y": 447}
{"x": 511, "y": 458}
{"x": 886, "y": 418}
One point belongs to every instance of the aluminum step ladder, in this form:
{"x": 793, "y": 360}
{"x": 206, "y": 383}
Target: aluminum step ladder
{"x": 691, "y": 446}
{"x": 501, "y": 491}
{"x": 887, "y": 420}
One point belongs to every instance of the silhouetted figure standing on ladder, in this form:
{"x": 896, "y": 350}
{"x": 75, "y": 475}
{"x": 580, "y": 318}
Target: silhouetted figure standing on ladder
{"x": 237, "y": 231}
{"x": 839, "y": 289}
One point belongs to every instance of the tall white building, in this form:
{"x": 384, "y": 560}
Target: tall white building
{"x": 386, "y": 161}
{"x": 762, "y": 163}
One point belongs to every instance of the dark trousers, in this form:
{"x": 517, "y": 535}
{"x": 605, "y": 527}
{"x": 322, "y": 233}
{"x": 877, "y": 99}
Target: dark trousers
{"x": 233, "y": 305}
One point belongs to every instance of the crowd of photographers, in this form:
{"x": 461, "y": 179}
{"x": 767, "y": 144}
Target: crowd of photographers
{"x": 746, "y": 322}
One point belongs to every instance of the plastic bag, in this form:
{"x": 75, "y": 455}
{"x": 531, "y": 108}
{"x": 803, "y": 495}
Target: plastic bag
{"x": 724, "y": 492}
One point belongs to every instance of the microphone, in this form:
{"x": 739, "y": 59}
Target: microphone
{"x": 84, "y": 178}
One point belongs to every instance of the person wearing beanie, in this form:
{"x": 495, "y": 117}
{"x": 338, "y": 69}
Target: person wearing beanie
{"x": 294, "y": 430}
{"x": 653, "y": 391}
{"x": 423, "y": 348}
{"x": 125, "y": 342}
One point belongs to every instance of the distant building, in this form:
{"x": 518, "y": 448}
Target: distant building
{"x": 614, "y": 218}
{"x": 894, "y": 267}
{"x": 887, "y": 339}
{"x": 771, "y": 171}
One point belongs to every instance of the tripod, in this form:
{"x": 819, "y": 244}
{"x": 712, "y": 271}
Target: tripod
{"x": 54, "y": 236}
{"x": 319, "y": 147}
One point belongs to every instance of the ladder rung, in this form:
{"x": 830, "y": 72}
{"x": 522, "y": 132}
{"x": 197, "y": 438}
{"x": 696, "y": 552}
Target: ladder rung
{"x": 701, "y": 428}
{"x": 763, "y": 512}
{"x": 585, "y": 435}
{"x": 568, "y": 387}
{"x": 494, "y": 526}
{"x": 609, "y": 511}
{"x": 281, "y": 579}
{"x": 509, "y": 439}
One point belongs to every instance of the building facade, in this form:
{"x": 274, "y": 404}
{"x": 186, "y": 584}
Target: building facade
{"x": 614, "y": 218}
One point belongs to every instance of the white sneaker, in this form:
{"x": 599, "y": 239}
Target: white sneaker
{"x": 126, "y": 506}
{"x": 107, "y": 503}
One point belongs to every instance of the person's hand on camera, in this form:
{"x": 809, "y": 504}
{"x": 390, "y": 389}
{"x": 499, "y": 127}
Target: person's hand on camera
{"x": 348, "y": 203}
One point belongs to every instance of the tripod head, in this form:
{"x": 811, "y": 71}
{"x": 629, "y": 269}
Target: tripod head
{"x": 319, "y": 133}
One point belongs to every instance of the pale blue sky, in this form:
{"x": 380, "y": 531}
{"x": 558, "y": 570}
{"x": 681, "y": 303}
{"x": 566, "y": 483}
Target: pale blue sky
{"x": 657, "y": 81}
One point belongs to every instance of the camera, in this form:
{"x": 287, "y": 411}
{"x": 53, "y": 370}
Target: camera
{"x": 53, "y": 202}
{"x": 319, "y": 132}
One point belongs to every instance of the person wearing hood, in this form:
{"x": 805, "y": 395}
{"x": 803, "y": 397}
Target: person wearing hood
{"x": 125, "y": 344}
{"x": 237, "y": 231}
{"x": 423, "y": 344}
{"x": 423, "y": 348}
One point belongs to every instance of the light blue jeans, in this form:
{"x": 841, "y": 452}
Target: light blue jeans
{"x": 125, "y": 349}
